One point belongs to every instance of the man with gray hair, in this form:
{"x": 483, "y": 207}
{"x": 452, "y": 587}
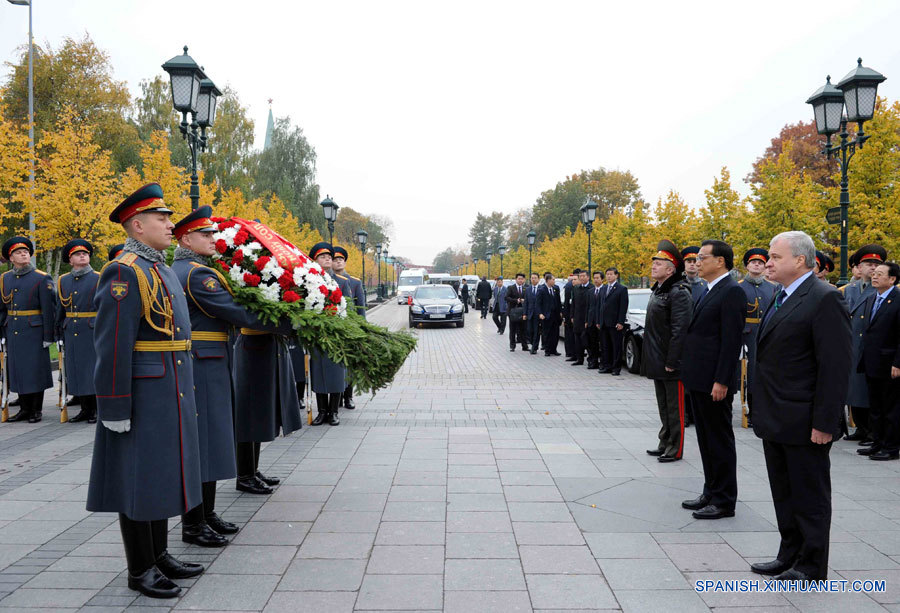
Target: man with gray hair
{"x": 802, "y": 359}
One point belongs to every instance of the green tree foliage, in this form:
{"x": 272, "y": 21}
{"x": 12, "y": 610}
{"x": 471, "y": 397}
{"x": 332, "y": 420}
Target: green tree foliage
{"x": 488, "y": 232}
{"x": 724, "y": 214}
{"x": 350, "y": 221}
{"x": 153, "y": 112}
{"x": 77, "y": 76}
{"x": 444, "y": 261}
{"x": 229, "y": 160}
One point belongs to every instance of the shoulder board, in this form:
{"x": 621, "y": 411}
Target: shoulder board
{"x": 843, "y": 287}
{"x": 341, "y": 276}
{"x": 741, "y": 281}
{"x": 39, "y": 271}
{"x": 128, "y": 259}
{"x": 199, "y": 265}
{"x": 352, "y": 277}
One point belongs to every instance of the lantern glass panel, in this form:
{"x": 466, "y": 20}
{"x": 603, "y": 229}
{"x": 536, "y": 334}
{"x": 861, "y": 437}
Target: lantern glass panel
{"x": 185, "y": 88}
{"x": 203, "y": 108}
{"x": 833, "y": 112}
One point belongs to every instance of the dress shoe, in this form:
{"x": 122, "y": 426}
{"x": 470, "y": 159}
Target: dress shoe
{"x": 267, "y": 480}
{"x": 856, "y": 436}
{"x": 555, "y": 353}
{"x": 20, "y": 416}
{"x": 176, "y": 569}
{"x": 604, "y": 371}
{"x": 616, "y": 373}
{"x": 74, "y": 401}
{"x": 667, "y": 458}
{"x": 154, "y": 584}
{"x": 697, "y": 503}
{"x": 866, "y": 442}
{"x": 220, "y": 525}
{"x": 593, "y": 367}
{"x": 655, "y": 452}
{"x": 533, "y": 351}
{"x": 578, "y": 363}
{"x": 202, "y": 535}
{"x": 792, "y": 574}
{"x": 711, "y": 511}
{"x": 82, "y": 416}
{"x": 35, "y": 417}
{"x": 868, "y": 450}
{"x": 883, "y": 456}
{"x": 252, "y": 485}
{"x": 321, "y": 418}
{"x": 333, "y": 419}
{"x": 348, "y": 403}
{"x": 512, "y": 348}
{"x": 775, "y": 567}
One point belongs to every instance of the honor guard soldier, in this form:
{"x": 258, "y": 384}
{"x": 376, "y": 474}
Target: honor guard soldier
{"x": 339, "y": 265}
{"x": 213, "y": 313}
{"x": 692, "y": 271}
{"x": 115, "y": 251}
{"x": 327, "y": 377}
{"x": 760, "y": 293}
{"x": 146, "y": 461}
{"x": 856, "y": 293}
{"x": 27, "y": 318}
{"x": 824, "y": 266}
{"x": 75, "y": 321}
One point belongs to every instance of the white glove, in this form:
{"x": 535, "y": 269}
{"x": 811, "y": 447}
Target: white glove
{"x": 119, "y": 426}
{"x": 47, "y": 344}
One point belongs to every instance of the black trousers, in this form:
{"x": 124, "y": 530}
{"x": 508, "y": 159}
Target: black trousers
{"x": 550, "y": 335}
{"x": 198, "y": 514}
{"x": 534, "y": 332}
{"x": 568, "y": 339}
{"x": 517, "y": 333}
{"x": 31, "y": 403}
{"x": 484, "y": 309}
{"x": 144, "y": 542}
{"x": 861, "y": 419}
{"x": 593, "y": 344}
{"x": 499, "y": 319}
{"x": 800, "y": 478}
{"x": 88, "y": 405}
{"x": 670, "y": 402}
{"x": 715, "y": 438}
{"x": 611, "y": 347}
{"x": 884, "y": 413}
{"x": 247, "y": 459}
{"x": 579, "y": 336}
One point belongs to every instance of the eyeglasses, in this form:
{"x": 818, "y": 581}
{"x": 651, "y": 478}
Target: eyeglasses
{"x": 701, "y": 256}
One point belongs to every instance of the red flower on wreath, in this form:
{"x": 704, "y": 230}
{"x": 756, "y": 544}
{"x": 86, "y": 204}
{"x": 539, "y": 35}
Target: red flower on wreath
{"x": 251, "y": 279}
{"x": 225, "y": 224}
{"x": 336, "y": 296}
{"x": 290, "y": 296}
{"x": 241, "y": 237}
{"x": 323, "y": 290}
{"x": 237, "y": 258}
{"x": 225, "y": 266}
{"x": 286, "y": 280}
{"x": 261, "y": 262}
{"x": 221, "y": 245}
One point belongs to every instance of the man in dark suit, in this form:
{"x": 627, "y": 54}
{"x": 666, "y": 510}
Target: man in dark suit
{"x": 483, "y": 296}
{"x": 499, "y": 301}
{"x": 515, "y": 310}
{"x": 532, "y": 313}
{"x": 613, "y": 309}
{"x": 709, "y": 373}
{"x": 464, "y": 295}
{"x": 579, "y": 314}
{"x": 568, "y": 339}
{"x": 802, "y": 358}
{"x": 593, "y": 321}
{"x": 880, "y": 361}
{"x": 549, "y": 307}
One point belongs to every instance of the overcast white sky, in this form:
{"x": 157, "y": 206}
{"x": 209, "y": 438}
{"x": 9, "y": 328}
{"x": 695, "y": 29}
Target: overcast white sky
{"x": 430, "y": 112}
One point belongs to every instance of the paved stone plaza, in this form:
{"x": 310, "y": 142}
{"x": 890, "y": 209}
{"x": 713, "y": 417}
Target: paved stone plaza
{"x": 482, "y": 480}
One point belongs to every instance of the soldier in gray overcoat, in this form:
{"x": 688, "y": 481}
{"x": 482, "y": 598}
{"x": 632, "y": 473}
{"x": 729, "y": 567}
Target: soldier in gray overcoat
{"x": 327, "y": 378}
{"x": 75, "y": 318}
{"x": 213, "y": 313}
{"x": 866, "y": 259}
{"x": 146, "y": 460}
{"x": 27, "y": 321}
{"x": 358, "y": 294}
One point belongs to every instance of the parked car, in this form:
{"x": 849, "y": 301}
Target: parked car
{"x": 634, "y": 328}
{"x": 436, "y": 304}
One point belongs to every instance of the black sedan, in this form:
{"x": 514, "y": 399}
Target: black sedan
{"x": 634, "y": 328}
{"x": 436, "y": 304}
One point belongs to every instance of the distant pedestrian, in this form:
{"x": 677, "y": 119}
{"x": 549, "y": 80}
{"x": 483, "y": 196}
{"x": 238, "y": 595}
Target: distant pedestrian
{"x": 464, "y": 295}
{"x": 483, "y": 296}
{"x": 499, "y": 300}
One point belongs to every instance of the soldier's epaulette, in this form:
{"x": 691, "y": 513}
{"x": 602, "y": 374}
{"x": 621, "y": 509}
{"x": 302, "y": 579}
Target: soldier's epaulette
{"x": 740, "y": 280}
{"x": 39, "y": 271}
{"x": 843, "y": 287}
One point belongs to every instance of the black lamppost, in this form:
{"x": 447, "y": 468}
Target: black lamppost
{"x": 362, "y": 236}
{"x": 378, "y": 266}
{"x": 194, "y": 93}
{"x": 502, "y": 251}
{"x": 857, "y": 91}
{"x": 475, "y": 260}
{"x": 387, "y": 277}
{"x": 487, "y": 256}
{"x": 330, "y": 208}
{"x": 531, "y": 236}
{"x": 588, "y": 215}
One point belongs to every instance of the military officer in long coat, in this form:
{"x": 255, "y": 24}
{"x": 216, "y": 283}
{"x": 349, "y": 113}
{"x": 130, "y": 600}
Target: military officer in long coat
{"x": 265, "y": 399}
{"x": 866, "y": 259}
{"x": 327, "y": 378}
{"x": 339, "y": 266}
{"x": 760, "y": 292}
{"x": 75, "y": 318}
{"x": 27, "y": 321}
{"x": 146, "y": 461}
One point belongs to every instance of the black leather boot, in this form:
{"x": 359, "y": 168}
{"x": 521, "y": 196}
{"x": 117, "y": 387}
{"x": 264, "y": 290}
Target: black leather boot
{"x": 252, "y": 485}
{"x": 334, "y": 402}
{"x": 267, "y": 480}
{"x": 348, "y": 398}
{"x": 321, "y": 410}
{"x": 154, "y": 584}
{"x": 176, "y": 569}
{"x": 201, "y": 534}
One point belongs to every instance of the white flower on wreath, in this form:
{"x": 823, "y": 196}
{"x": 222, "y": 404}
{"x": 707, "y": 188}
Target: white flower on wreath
{"x": 271, "y": 270}
{"x": 237, "y": 275}
{"x": 271, "y": 292}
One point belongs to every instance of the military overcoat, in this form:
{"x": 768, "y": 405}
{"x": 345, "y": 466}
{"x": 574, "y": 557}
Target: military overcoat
{"x": 142, "y": 339}
{"x": 27, "y": 316}
{"x": 758, "y": 299}
{"x": 327, "y": 376}
{"x": 855, "y": 296}
{"x": 75, "y": 321}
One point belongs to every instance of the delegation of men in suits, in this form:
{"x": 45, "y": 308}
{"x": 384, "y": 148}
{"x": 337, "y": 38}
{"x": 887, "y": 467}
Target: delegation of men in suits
{"x": 612, "y": 309}
{"x": 514, "y": 299}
